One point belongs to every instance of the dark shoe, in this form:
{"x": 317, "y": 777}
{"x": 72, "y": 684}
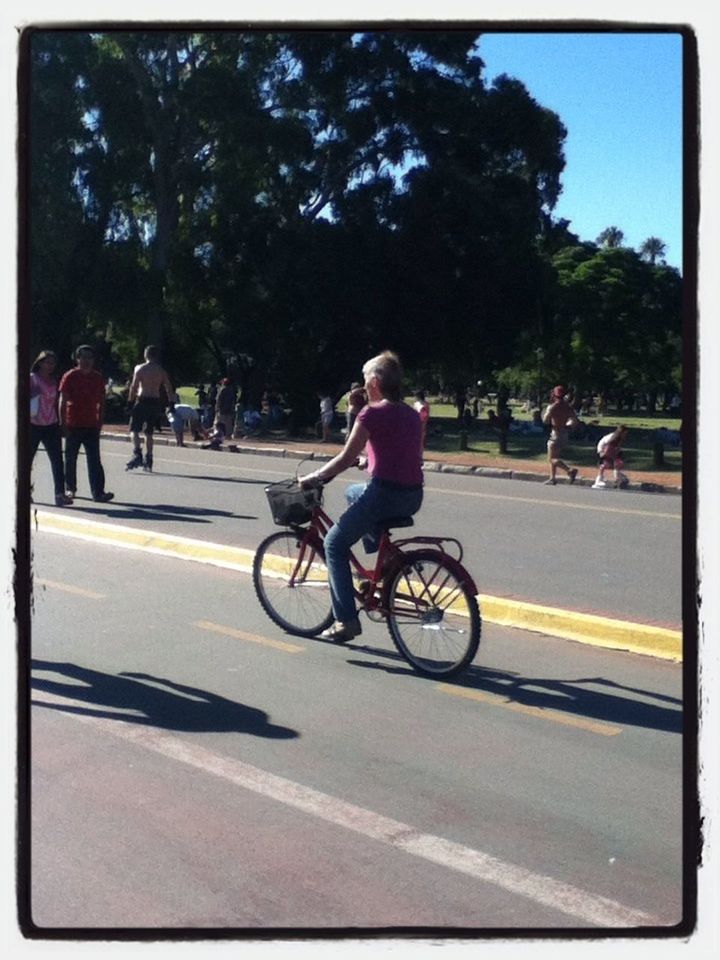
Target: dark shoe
{"x": 104, "y": 498}
{"x": 550, "y": 482}
{"x": 147, "y": 466}
{"x": 573, "y": 474}
{"x": 342, "y": 632}
{"x": 135, "y": 462}
{"x": 62, "y": 500}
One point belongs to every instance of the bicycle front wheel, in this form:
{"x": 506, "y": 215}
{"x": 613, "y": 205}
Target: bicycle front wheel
{"x": 433, "y": 616}
{"x": 291, "y": 583}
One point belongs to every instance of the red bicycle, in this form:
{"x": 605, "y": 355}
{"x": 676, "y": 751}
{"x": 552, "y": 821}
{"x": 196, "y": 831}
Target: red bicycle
{"x": 424, "y": 594}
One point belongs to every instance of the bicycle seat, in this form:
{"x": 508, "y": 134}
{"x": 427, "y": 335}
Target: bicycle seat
{"x": 397, "y": 522}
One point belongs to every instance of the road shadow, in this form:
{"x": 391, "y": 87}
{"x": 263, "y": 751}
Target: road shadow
{"x": 163, "y": 703}
{"x": 121, "y": 510}
{"x": 195, "y": 476}
{"x": 614, "y": 703}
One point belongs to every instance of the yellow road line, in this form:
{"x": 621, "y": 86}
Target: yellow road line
{"x": 556, "y": 716}
{"x": 69, "y": 588}
{"x": 566, "y": 624}
{"x": 250, "y": 637}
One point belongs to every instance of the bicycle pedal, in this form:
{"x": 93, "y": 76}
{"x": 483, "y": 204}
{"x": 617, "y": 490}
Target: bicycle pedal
{"x": 369, "y": 589}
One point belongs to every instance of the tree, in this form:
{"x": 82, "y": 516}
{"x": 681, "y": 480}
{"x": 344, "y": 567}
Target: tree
{"x": 611, "y": 237}
{"x": 652, "y": 250}
{"x": 299, "y": 199}
{"x": 57, "y": 228}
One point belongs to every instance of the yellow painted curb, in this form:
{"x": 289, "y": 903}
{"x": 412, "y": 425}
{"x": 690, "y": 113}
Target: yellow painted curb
{"x": 234, "y": 558}
{"x": 567, "y": 624}
{"x": 584, "y": 627}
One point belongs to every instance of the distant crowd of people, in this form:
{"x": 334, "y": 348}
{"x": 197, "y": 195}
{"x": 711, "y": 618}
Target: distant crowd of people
{"x": 73, "y": 407}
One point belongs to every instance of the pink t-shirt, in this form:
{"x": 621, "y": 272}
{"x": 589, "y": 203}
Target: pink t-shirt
{"x": 48, "y": 393}
{"x": 394, "y": 448}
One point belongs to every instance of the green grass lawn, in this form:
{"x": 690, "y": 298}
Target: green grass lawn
{"x": 444, "y": 436}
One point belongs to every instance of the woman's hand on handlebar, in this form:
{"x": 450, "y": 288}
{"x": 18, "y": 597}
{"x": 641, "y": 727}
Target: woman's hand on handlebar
{"x": 311, "y": 481}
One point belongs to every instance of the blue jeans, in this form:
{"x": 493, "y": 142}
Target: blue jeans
{"x": 368, "y": 503}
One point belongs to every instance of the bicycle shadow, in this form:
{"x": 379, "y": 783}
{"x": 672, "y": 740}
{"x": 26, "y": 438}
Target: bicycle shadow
{"x": 572, "y": 696}
{"x": 146, "y": 700}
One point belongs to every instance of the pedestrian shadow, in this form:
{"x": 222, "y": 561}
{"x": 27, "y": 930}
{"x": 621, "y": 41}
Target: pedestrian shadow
{"x": 613, "y": 703}
{"x": 143, "y": 699}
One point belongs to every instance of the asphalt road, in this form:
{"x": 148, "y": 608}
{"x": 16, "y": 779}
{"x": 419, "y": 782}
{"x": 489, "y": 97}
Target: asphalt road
{"x": 194, "y": 767}
{"x": 614, "y": 553}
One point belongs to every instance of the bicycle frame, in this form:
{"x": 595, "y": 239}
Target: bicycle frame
{"x": 388, "y": 556}
{"x": 416, "y": 585}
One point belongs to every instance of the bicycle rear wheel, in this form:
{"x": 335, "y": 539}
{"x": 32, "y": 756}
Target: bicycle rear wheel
{"x": 433, "y": 616}
{"x": 291, "y": 583}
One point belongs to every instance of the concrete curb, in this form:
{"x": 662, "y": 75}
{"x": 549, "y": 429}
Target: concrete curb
{"x": 586, "y": 628}
{"x": 429, "y": 466}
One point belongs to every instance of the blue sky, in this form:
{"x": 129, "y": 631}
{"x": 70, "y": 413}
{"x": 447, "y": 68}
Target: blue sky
{"x": 620, "y": 97}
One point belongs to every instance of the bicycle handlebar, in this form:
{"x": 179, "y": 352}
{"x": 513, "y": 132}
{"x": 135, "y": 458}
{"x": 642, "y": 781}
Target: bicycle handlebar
{"x": 312, "y": 484}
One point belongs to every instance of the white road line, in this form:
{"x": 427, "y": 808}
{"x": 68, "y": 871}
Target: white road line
{"x": 535, "y": 501}
{"x": 222, "y": 468}
{"x": 543, "y": 890}
{"x": 565, "y": 505}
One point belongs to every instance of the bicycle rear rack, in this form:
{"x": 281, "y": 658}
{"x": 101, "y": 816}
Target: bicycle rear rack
{"x": 433, "y": 541}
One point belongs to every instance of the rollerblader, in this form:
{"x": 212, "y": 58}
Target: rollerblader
{"x": 149, "y": 379}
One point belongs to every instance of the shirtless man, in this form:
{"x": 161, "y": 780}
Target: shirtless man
{"x": 147, "y": 406}
{"x": 561, "y": 417}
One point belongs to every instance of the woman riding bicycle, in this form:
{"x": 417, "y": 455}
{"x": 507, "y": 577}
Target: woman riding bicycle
{"x": 392, "y": 433}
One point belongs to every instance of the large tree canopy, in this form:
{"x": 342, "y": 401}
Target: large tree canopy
{"x": 288, "y": 201}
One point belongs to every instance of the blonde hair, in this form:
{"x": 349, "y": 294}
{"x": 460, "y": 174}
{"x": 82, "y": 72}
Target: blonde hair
{"x": 387, "y": 368}
{"x": 43, "y": 355}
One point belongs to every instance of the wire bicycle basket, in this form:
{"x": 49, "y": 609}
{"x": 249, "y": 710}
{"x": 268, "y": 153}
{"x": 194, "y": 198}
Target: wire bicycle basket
{"x": 291, "y": 504}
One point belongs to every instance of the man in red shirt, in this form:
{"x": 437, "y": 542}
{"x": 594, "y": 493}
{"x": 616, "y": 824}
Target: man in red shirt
{"x": 82, "y": 405}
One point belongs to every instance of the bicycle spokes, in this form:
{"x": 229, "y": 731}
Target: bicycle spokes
{"x": 291, "y": 582}
{"x": 432, "y": 615}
